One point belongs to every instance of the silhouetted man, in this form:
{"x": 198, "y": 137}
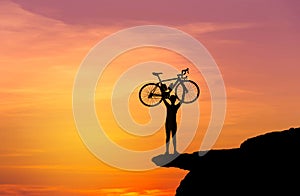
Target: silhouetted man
{"x": 171, "y": 123}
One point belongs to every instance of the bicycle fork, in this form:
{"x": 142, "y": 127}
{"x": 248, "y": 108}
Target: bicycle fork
{"x": 185, "y": 91}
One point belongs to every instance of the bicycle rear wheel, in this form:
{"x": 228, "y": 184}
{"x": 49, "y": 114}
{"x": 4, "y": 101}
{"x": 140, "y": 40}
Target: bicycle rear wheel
{"x": 150, "y": 94}
{"x": 188, "y": 91}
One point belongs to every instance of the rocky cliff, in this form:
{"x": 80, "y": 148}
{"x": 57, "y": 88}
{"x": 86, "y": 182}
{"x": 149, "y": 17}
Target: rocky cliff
{"x": 265, "y": 164}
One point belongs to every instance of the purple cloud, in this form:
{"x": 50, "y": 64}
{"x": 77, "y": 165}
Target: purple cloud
{"x": 93, "y": 12}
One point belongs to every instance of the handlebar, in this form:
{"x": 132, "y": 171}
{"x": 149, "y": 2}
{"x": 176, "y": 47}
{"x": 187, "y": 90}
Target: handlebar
{"x": 184, "y": 71}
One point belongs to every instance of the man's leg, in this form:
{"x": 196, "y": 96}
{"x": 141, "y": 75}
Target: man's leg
{"x": 174, "y": 141}
{"x": 167, "y": 140}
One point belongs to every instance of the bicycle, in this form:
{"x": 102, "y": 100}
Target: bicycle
{"x": 187, "y": 91}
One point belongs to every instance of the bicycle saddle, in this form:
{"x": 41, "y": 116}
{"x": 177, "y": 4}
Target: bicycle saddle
{"x": 157, "y": 73}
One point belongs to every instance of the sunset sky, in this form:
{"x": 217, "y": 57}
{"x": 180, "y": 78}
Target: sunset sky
{"x": 255, "y": 44}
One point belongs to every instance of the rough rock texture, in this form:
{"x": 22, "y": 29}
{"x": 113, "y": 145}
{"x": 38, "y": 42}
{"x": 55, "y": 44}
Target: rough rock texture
{"x": 265, "y": 164}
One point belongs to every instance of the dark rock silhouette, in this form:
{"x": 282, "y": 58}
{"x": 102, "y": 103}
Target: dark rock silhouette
{"x": 265, "y": 164}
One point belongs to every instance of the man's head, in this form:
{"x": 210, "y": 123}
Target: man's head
{"x": 172, "y": 99}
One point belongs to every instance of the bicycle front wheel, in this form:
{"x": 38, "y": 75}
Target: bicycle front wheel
{"x": 187, "y": 91}
{"x": 150, "y": 94}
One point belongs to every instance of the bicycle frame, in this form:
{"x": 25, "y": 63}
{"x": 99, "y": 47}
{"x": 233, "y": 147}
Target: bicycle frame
{"x": 177, "y": 80}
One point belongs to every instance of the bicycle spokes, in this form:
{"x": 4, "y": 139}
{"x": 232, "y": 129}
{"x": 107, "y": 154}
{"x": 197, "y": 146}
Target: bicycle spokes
{"x": 150, "y": 94}
{"x": 188, "y": 91}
